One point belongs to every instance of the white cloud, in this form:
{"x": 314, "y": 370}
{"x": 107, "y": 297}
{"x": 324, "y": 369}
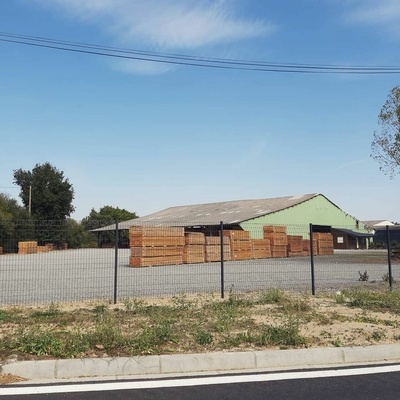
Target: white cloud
{"x": 384, "y": 14}
{"x": 164, "y": 25}
{"x": 171, "y": 24}
{"x": 142, "y": 67}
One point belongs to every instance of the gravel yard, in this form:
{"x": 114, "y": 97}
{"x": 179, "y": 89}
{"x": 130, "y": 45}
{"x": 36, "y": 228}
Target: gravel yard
{"x": 88, "y": 274}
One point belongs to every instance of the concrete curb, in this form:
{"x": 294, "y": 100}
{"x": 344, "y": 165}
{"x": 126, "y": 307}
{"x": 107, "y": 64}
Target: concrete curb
{"x": 196, "y": 363}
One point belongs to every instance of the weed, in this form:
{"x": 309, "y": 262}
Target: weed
{"x": 340, "y": 298}
{"x": 4, "y": 316}
{"x": 153, "y": 337}
{"x": 338, "y": 342}
{"x": 396, "y": 337}
{"x": 100, "y": 310}
{"x": 134, "y": 305}
{"x": 297, "y": 305}
{"x": 181, "y": 302}
{"x": 271, "y": 296}
{"x": 385, "y": 278}
{"x": 364, "y": 277}
{"x": 203, "y": 338}
{"x": 377, "y": 335}
{"x": 287, "y": 334}
{"x": 53, "y": 311}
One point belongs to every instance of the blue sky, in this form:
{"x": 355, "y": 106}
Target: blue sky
{"x": 146, "y": 136}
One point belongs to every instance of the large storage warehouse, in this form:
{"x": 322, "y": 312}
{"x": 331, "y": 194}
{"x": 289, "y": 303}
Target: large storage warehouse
{"x": 294, "y": 212}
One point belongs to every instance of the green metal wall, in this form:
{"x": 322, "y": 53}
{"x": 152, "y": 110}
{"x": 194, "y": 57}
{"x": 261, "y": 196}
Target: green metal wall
{"x": 318, "y": 211}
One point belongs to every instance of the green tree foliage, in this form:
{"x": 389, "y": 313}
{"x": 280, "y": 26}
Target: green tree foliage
{"x": 50, "y": 195}
{"x": 386, "y": 143}
{"x": 50, "y": 192}
{"x": 107, "y": 215}
{"x": 15, "y": 224}
{"x": 76, "y": 236}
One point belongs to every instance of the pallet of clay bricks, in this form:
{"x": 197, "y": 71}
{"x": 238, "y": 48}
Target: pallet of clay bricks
{"x": 154, "y": 246}
{"x": 276, "y": 234}
{"x": 194, "y": 238}
{"x": 279, "y": 251}
{"x": 324, "y": 243}
{"x": 213, "y": 249}
{"x": 194, "y": 251}
{"x": 274, "y": 228}
{"x": 44, "y": 249}
{"x": 241, "y": 246}
{"x": 27, "y": 247}
{"x": 154, "y": 261}
{"x": 261, "y": 248}
{"x": 295, "y": 245}
{"x": 307, "y": 247}
{"x": 149, "y": 236}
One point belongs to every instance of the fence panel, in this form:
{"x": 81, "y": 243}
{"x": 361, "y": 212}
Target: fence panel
{"x": 46, "y": 261}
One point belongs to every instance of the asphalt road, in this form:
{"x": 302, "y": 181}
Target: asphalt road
{"x": 75, "y": 275}
{"x": 365, "y": 383}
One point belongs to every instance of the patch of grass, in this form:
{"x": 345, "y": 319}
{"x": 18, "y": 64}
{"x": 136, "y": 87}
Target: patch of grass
{"x": 52, "y": 312}
{"x": 181, "y": 302}
{"x": 375, "y": 300}
{"x": 203, "y": 338}
{"x": 271, "y": 296}
{"x": 271, "y": 318}
{"x": 285, "y": 335}
{"x": 338, "y": 342}
{"x": 377, "y": 335}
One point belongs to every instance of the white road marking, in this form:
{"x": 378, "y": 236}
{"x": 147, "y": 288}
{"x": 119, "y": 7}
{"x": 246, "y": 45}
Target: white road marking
{"x": 199, "y": 381}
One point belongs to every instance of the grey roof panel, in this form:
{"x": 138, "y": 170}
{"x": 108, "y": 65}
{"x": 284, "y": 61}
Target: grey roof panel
{"x": 230, "y": 212}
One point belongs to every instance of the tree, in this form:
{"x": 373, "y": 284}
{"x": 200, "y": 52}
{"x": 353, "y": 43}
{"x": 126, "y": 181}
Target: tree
{"x": 50, "y": 196}
{"x": 48, "y": 191}
{"x": 108, "y": 215}
{"x": 15, "y": 224}
{"x": 386, "y": 143}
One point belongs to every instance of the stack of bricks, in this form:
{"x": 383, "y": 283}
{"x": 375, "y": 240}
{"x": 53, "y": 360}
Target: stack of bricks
{"x": 295, "y": 245}
{"x": 153, "y": 246}
{"x": 307, "y": 247}
{"x": 324, "y": 243}
{"x": 44, "y": 249}
{"x": 261, "y": 248}
{"x": 241, "y": 245}
{"x": 277, "y": 236}
{"x": 213, "y": 249}
{"x": 193, "y": 251}
{"x": 27, "y": 247}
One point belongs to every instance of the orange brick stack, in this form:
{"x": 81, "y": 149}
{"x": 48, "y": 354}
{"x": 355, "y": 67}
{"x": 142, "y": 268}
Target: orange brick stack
{"x": 295, "y": 245}
{"x": 43, "y": 249}
{"x": 324, "y": 243}
{"x": 307, "y": 247}
{"x": 151, "y": 246}
{"x": 27, "y": 247}
{"x": 261, "y": 248}
{"x": 241, "y": 245}
{"x": 213, "y": 249}
{"x": 277, "y": 236}
{"x": 193, "y": 251}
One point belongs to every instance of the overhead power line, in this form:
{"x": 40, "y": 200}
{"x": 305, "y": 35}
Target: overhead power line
{"x": 194, "y": 61}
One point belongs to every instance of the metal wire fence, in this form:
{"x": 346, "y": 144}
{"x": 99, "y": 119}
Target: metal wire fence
{"x": 54, "y": 261}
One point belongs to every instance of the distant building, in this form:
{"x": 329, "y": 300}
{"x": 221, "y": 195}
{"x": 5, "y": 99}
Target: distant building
{"x": 295, "y": 212}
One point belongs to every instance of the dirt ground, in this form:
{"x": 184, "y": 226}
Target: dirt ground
{"x": 325, "y": 322}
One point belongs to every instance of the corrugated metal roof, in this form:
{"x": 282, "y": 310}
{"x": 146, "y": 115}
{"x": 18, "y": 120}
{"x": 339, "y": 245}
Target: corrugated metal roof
{"x": 378, "y": 222}
{"x": 230, "y": 212}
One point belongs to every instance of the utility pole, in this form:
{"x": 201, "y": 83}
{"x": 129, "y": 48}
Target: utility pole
{"x": 30, "y": 199}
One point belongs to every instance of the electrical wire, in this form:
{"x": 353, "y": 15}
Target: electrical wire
{"x": 194, "y": 61}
